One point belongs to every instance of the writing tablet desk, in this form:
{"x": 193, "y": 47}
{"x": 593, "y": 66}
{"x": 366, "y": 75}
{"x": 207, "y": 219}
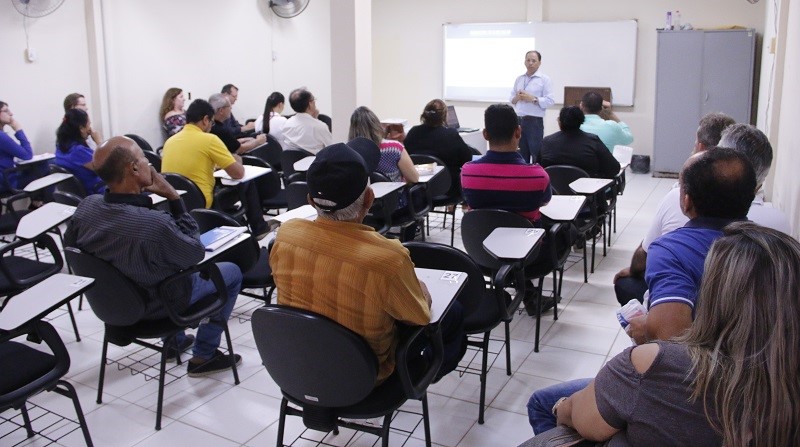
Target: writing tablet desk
{"x": 425, "y": 178}
{"x": 304, "y": 212}
{"x": 563, "y": 208}
{"x": 444, "y": 286}
{"x": 383, "y": 188}
{"x": 303, "y": 164}
{"x": 160, "y": 199}
{"x": 35, "y": 159}
{"x": 250, "y": 173}
{"x": 225, "y": 247}
{"x": 589, "y": 186}
{"x": 38, "y": 301}
{"x": 46, "y": 181}
{"x": 43, "y": 219}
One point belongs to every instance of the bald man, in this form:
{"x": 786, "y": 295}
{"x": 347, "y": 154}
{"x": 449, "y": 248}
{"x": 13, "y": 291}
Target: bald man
{"x": 147, "y": 245}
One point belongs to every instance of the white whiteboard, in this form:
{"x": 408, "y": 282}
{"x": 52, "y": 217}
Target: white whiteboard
{"x": 481, "y": 60}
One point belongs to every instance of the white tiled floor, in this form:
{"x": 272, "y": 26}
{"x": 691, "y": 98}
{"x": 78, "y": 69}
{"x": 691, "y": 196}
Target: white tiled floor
{"x": 213, "y": 412}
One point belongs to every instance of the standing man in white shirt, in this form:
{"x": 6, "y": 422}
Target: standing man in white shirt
{"x": 305, "y": 130}
{"x": 531, "y": 96}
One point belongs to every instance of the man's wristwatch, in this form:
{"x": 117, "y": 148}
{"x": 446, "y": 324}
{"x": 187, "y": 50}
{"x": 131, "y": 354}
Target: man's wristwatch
{"x": 555, "y": 407}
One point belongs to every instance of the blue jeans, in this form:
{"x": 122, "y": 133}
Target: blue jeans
{"x": 209, "y": 334}
{"x": 531, "y": 143}
{"x": 540, "y": 405}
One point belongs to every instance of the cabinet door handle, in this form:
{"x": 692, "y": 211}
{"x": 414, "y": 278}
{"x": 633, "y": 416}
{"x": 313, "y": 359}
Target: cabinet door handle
{"x": 706, "y": 100}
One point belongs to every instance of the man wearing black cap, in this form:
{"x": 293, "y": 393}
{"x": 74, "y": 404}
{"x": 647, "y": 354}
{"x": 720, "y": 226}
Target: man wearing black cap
{"x": 340, "y": 268}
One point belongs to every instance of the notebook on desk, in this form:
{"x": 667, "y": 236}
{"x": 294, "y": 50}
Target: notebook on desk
{"x": 452, "y": 121}
{"x": 217, "y": 237}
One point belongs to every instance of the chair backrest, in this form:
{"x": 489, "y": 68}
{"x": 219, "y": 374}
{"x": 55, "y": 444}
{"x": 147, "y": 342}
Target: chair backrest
{"x": 327, "y": 120}
{"x": 296, "y": 195}
{"x": 193, "y": 198}
{"x": 268, "y": 185}
{"x": 12, "y": 280}
{"x": 440, "y": 184}
{"x": 444, "y": 257}
{"x": 477, "y": 225}
{"x": 114, "y": 298}
{"x": 562, "y": 175}
{"x": 313, "y": 358}
{"x": 66, "y": 198}
{"x": 623, "y": 154}
{"x": 269, "y": 152}
{"x": 208, "y": 219}
{"x": 289, "y": 157}
{"x": 71, "y": 185}
{"x": 141, "y": 142}
{"x": 379, "y": 216}
{"x": 245, "y": 255}
{"x": 154, "y": 159}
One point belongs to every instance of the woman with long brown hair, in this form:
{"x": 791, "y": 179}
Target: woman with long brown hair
{"x": 171, "y": 112}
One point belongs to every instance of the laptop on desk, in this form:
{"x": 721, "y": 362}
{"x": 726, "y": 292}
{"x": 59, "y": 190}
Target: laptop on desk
{"x": 452, "y": 121}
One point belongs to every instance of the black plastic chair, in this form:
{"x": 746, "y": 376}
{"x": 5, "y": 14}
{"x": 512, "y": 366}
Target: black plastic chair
{"x": 485, "y": 303}
{"x": 70, "y": 185}
{"x": 66, "y": 198}
{"x": 141, "y": 142}
{"x": 154, "y": 159}
{"x": 329, "y": 371}
{"x": 477, "y": 225}
{"x": 441, "y": 187}
{"x": 28, "y": 371}
{"x": 252, "y": 259}
{"x": 193, "y": 198}
{"x": 272, "y": 196}
{"x": 14, "y": 211}
{"x": 588, "y": 223}
{"x": 121, "y": 305}
{"x": 270, "y": 152}
{"x": 18, "y": 273}
{"x": 288, "y": 159}
{"x": 296, "y": 195}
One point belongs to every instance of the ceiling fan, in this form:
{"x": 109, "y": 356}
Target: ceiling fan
{"x": 288, "y": 8}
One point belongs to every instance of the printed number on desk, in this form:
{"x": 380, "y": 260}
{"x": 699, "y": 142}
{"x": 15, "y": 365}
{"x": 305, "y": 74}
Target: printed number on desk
{"x": 450, "y": 276}
{"x": 81, "y": 282}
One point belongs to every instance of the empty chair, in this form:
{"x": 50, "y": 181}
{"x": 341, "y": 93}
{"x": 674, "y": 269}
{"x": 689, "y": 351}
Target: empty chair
{"x": 28, "y": 371}
{"x": 329, "y": 372}
{"x": 484, "y": 302}
{"x": 71, "y": 185}
{"x": 296, "y": 195}
{"x": 270, "y": 152}
{"x": 288, "y": 159}
{"x": 141, "y": 142}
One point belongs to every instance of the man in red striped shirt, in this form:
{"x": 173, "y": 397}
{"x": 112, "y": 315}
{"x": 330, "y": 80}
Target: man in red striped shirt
{"x": 502, "y": 179}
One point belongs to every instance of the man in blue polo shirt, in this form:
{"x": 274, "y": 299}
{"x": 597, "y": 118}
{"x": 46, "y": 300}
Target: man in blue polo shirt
{"x": 716, "y": 188}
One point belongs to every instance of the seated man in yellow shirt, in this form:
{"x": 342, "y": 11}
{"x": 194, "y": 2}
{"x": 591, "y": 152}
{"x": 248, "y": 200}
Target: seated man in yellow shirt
{"x": 340, "y": 268}
{"x": 195, "y": 153}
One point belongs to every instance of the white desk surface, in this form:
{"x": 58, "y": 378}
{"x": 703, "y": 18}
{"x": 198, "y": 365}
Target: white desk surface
{"x": 443, "y": 286}
{"x": 303, "y": 164}
{"x": 563, "y": 208}
{"x": 158, "y": 199}
{"x": 41, "y": 299}
{"x": 42, "y": 219}
{"x": 623, "y": 166}
{"x": 588, "y": 185}
{"x": 250, "y": 172}
{"x": 426, "y": 178}
{"x": 476, "y": 140}
{"x": 35, "y": 159}
{"x": 304, "y": 212}
{"x": 512, "y": 244}
{"x": 382, "y": 188}
{"x": 48, "y": 180}
{"x": 233, "y": 242}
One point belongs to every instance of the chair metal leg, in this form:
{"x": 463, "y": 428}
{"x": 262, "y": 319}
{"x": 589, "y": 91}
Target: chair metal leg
{"x": 161, "y": 373}
{"x": 556, "y": 295}
{"x": 230, "y": 352}
{"x": 74, "y": 323}
{"x": 26, "y": 419}
{"x": 508, "y": 348}
{"x": 538, "y": 315}
{"x": 594, "y": 245}
{"x": 385, "y": 430}
{"x": 484, "y": 362}
{"x": 282, "y": 421}
{"x": 80, "y": 302}
{"x": 585, "y": 267}
{"x": 426, "y": 423}
{"x": 102, "y": 371}
{"x": 72, "y": 394}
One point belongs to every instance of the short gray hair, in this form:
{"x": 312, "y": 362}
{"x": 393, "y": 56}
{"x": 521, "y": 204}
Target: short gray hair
{"x": 751, "y": 142}
{"x": 218, "y": 101}
{"x": 346, "y": 214}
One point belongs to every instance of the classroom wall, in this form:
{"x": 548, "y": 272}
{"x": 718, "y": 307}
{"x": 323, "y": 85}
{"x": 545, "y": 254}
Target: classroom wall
{"x": 407, "y": 48}
{"x": 35, "y": 91}
{"x": 200, "y": 48}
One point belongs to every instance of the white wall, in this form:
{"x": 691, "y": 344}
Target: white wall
{"x": 35, "y": 91}
{"x": 202, "y": 47}
{"x": 407, "y": 47}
